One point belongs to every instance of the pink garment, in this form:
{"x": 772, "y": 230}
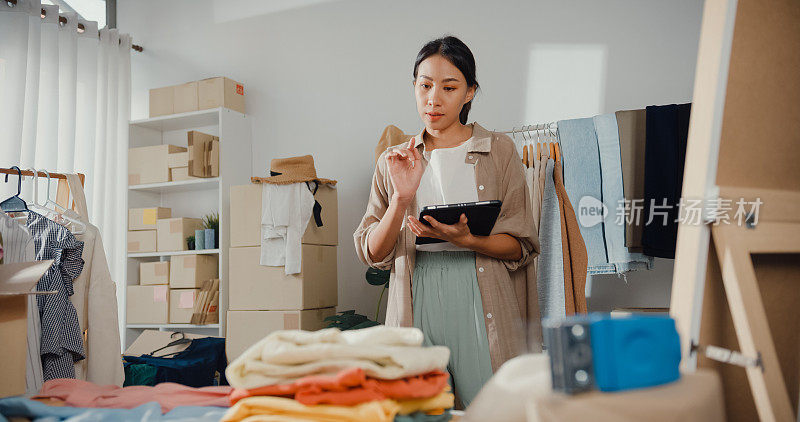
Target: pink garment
{"x": 79, "y": 393}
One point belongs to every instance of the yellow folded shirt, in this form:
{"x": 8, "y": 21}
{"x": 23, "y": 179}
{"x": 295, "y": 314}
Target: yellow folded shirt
{"x": 444, "y": 400}
{"x": 266, "y": 408}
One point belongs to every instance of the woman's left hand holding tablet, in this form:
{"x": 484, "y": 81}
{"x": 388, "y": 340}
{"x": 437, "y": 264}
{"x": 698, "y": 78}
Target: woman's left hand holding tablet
{"x": 458, "y": 234}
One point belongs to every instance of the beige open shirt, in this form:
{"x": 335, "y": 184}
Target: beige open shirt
{"x": 506, "y": 293}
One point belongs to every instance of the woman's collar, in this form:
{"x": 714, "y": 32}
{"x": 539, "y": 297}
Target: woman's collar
{"x": 480, "y": 141}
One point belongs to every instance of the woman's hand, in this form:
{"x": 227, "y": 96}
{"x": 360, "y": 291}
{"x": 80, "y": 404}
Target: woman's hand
{"x": 405, "y": 170}
{"x": 458, "y": 234}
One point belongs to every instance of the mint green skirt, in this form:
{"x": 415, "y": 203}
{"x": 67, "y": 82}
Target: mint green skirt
{"x": 448, "y": 309}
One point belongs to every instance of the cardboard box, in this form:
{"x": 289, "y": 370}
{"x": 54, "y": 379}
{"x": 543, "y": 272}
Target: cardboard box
{"x": 190, "y": 271}
{"x": 185, "y": 97}
{"x": 172, "y": 233}
{"x": 220, "y": 92}
{"x": 181, "y": 305}
{"x": 147, "y": 305}
{"x": 145, "y": 218}
{"x": 154, "y": 273}
{"x": 203, "y": 154}
{"x": 246, "y": 217}
{"x": 178, "y": 159}
{"x": 17, "y": 282}
{"x": 150, "y": 164}
{"x": 151, "y": 340}
{"x": 256, "y": 287}
{"x": 142, "y": 241}
{"x": 162, "y": 101}
{"x": 246, "y": 328}
{"x": 179, "y": 174}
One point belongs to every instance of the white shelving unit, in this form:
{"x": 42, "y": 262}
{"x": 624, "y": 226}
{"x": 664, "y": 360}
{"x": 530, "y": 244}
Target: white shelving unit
{"x": 190, "y": 198}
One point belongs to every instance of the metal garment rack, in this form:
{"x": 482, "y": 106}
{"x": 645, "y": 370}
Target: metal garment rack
{"x": 62, "y": 191}
{"x": 551, "y": 128}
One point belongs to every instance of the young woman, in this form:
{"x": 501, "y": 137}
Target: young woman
{"x": 459, "y": 293}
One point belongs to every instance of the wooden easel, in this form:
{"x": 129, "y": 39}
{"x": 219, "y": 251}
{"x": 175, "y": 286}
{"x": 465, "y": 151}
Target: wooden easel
{"x": 734, "y": 286}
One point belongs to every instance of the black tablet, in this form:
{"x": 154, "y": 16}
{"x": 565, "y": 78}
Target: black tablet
{"x": 481, "y": 217}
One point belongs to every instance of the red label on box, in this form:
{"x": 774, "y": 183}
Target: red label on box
{"x": 239, "y": 89}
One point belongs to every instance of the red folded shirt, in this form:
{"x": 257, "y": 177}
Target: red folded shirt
{"x": 350, "y": 387}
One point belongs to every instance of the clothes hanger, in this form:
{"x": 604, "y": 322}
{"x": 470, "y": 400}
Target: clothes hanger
{"x": 78, "y": 227}
{"x": 524, "y": 148}
{"x": 182, "y": 340}
{"x": 15, "y": 203}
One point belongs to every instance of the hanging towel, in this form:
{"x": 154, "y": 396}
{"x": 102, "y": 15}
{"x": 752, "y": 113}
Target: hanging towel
{"x": 665, "y": 154}
{"x": 612, "y": 187}
{"x": 286, "y": 210}
{"x": 632, "y": 135}
{"x": 17, "y": 246}
{"x": 95, "y": 301}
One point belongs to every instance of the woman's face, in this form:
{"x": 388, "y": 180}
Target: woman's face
{"x": 441, "y": 90}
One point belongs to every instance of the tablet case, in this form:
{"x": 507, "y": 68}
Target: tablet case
{"x": 481, "y": 217}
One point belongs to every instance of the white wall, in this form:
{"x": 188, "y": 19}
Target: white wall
{"x": 325, "y": 77}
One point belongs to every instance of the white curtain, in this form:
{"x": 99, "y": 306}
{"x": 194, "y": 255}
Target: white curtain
{"x": 65, "y": 106}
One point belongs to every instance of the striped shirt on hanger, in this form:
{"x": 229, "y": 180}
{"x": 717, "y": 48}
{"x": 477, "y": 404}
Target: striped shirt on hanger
{"x": 62, "y": 343}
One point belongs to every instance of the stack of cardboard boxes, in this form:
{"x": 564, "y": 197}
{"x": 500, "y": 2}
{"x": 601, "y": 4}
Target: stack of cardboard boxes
{"x": 167, "y": 290}
{"x": 264, "y": 299}
{"x": 197, "y": 95}
{"x": 173, "y": 163}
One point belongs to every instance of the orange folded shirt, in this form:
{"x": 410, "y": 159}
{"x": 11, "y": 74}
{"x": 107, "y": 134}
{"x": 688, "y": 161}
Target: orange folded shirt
{"x": 350, "y": 387}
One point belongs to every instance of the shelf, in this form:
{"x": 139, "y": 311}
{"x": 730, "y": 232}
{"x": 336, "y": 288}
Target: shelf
{"x": 173, "y": 253}
{"x": 156, "y": 326}
{"x": 180, "y": 121}
{"x": 181, "y": 186}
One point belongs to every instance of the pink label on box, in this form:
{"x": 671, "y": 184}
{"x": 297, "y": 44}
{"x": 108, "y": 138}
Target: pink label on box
{"x": 159, "y": 293}
{"x": 186, "y": 300}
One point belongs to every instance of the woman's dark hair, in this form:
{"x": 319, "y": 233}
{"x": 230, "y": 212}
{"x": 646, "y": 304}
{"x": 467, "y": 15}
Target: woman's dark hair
{"x": 457, "y": 53}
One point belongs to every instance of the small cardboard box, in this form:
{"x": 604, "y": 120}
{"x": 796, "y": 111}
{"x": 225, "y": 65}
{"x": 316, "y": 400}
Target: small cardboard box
{"x": 245, "y": 328}
{"x": 181, "y": 305}
{"x": 142, "y": 241}
{"x": 220, "y": 92}
{"x": 17, "y": 282}
{"x": 162, "y": 101}
{"x": 256, "y": 287}
{"x": 246, "y": 217}
{"x": 190, "y": 271}
{"x": 179, "y": 174}
{"x": 151, "y": 340}
{"x": 154, "y": 273}
{"x": 145, "y": 218}
{"x": 203, "y": 154}
{"x": 150, "y": 164}
{"x": 147, "y": 305}
{"x": 172, "y": 233}
{"x": 178, "y": 159}
{"x": 185, "y": 97}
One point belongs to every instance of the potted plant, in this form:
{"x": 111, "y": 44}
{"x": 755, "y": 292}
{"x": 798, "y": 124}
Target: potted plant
{"x": 190, "y": 242}
{"x": 211, "y": 226}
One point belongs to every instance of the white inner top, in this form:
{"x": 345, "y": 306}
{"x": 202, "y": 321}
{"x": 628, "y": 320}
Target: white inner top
{"x": 447, "y": 179}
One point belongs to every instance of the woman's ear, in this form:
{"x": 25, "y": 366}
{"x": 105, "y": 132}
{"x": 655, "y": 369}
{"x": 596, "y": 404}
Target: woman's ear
{"x": 470, "y": 94}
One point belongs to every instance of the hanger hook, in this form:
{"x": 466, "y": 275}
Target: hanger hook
{"x": 19, "y": 179}
{"x": 48, "y": 184}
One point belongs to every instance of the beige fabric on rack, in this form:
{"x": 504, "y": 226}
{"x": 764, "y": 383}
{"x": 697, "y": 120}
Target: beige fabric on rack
{"x": 95, "y": 301}
{"x": 533, "y": 312}
{"x": 632, "y": 135}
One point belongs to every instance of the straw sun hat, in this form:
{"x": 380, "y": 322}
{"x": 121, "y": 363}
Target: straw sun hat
{"x": 284, "y": 171}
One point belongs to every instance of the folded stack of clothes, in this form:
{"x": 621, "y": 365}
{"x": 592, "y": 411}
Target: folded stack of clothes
{"x": 373, "y": 374}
